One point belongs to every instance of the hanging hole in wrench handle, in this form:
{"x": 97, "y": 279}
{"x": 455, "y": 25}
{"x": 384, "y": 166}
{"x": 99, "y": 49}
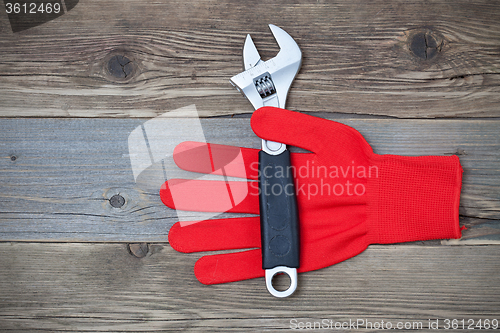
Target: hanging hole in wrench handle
{"x": 292, "y": 274}
{"x": 279, "y": 222}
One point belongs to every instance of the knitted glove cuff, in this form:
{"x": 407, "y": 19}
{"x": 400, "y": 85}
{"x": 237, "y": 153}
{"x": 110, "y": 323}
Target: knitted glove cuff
{"x": 414, "y": 198}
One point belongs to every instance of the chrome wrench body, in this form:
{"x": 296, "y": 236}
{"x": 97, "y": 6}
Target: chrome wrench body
{"x": 266, "y": 83}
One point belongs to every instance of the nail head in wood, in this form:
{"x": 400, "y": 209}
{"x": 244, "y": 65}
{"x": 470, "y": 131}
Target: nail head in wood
{"x": 138, "y": 250}
{"x": 13, "y": 158}
{"x": 117, "y": 201}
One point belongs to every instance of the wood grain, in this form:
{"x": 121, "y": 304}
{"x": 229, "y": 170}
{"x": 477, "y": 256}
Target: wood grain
{"x": 356, "y": 58}
{"x": 101, "y": 287}
{"x": 65, "y": 171}
{"x": 83, "y": 244}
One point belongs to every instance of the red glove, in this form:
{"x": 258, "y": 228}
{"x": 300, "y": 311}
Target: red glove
{"x": 348, "y": 197}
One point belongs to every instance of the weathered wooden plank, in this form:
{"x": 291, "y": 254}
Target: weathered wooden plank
{"x": 101, "y": 287}
{"x": 396, "y": 58}
{"x": 57, "y": 176}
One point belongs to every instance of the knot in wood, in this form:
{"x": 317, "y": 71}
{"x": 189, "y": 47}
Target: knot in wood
{"x": 138, "y": 250}
{"x": 120, "y": 66}
{"x": 117, "y": 201}
{"x": 425, "y": 44}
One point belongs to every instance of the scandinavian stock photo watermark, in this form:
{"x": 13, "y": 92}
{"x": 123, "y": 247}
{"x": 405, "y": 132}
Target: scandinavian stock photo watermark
{"x": 315, "y": 180}
{"x": 172, "y": 147}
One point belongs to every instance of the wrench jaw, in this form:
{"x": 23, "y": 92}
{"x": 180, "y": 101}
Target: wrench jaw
{"x": 290, "y": 58}
{"x": 282, "y": 69}
{"x": 251, "y": 56}
{"x": 289, "y": 50}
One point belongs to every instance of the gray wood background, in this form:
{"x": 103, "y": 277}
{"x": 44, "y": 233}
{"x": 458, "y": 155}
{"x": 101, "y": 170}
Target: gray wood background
{"x": 414, "y": 77}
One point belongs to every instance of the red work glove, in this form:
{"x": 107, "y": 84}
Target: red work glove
{"x": 348, "y": 197}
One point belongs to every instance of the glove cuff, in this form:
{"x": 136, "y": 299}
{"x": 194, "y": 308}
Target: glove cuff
{"x": 414, "y": 198}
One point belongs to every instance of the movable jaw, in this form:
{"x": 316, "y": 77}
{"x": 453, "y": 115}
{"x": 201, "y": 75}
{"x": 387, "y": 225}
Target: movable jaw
{"x": 266, "y": 83}
{"x": 251, "y": 56}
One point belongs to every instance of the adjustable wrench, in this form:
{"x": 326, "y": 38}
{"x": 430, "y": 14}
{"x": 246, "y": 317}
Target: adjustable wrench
{"x": 266, "y": 83}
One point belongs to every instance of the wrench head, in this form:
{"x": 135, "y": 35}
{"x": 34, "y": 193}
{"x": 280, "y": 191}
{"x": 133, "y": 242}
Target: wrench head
{"x": 266, "y": 83}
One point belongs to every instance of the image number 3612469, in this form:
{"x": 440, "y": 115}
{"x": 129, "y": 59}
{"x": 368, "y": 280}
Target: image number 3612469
{"x": 24, "y": 15}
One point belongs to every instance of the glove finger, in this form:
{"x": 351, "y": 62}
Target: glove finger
{"x": 215, "y": 235}
{"x": 211, "y": 196}
{"x": 229, "y": 267}
{"x": 308, "y": 132}
{"x": 217, "y": 159}
{"x": 315, "y": 254}
{"x": 224, "y": 160}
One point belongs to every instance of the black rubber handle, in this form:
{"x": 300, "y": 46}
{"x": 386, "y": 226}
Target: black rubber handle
{"x": 279, "y": 223}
